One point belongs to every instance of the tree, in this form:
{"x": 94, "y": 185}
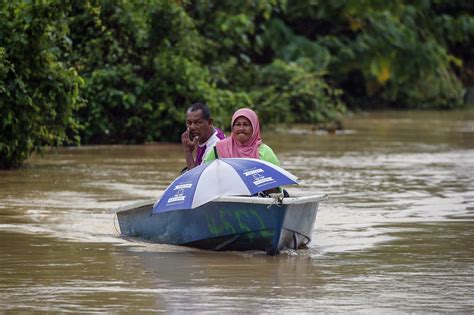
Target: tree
{"x": 38, "y": 90}
{"x": 385, "y": 53}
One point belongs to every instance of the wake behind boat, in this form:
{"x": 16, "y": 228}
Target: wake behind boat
{"x": 231, "y": 223}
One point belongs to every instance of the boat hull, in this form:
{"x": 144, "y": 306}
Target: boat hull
{"x": 228, "y": 223}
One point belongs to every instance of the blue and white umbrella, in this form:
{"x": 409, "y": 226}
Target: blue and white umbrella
{"x": 222, "y": 177}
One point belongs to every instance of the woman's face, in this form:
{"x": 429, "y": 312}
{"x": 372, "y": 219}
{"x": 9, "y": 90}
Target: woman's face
{"x": 242, "y": 129}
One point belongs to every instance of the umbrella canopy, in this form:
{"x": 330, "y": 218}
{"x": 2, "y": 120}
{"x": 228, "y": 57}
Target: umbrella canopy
{"x": 222, "y": 177}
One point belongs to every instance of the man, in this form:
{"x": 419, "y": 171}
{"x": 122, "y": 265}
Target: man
{"x": 200, "y": 134}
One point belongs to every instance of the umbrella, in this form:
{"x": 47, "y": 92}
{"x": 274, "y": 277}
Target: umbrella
{"x": 222, "y": 177}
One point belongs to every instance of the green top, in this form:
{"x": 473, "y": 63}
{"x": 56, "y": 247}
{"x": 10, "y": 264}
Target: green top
{"x": 264, "y": 151}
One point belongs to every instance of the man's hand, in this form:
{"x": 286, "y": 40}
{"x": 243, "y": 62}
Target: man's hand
{"x": 188, "y": 144}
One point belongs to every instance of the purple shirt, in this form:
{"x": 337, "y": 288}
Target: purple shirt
{"x": 201, "y": 149}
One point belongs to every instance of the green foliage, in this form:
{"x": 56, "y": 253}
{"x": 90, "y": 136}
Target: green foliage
{"x": 38, "y": 91}
{"x": 125, "y": 71}
{"x": 389, "y": 53}
{"x": 403, "y": 67}
{"x": 290, "y": 47}
{"x": 247, "y": 49}
{"x": 143, "y": 68}
{"x": 231, "y": 28}
{"x": 289, "y": 92}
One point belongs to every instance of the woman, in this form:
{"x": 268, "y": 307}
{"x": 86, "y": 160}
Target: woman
{"x": 245, "y": 140}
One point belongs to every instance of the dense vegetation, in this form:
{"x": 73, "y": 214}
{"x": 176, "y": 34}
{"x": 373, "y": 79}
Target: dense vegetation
{"x": 98, "y": 71}
{"x": 38, "y": 91}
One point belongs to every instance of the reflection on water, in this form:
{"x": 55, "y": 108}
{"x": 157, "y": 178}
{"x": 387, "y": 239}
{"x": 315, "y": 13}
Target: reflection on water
{"x": 396, "y": 235}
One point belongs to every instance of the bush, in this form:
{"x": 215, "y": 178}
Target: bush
{"x": 38, "y": 92}
{"x": 389, "y": 54}
{"x": 292, "y": 93}
{"x": 143, "y": 68}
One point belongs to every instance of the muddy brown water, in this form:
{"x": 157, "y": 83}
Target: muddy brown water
{"x": 396, "y": 235}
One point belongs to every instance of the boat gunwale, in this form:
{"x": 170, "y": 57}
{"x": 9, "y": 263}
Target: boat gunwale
{"x": 233, "y": 199}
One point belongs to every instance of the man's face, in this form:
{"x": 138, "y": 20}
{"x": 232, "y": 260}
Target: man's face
{"x": 198, "y": 126}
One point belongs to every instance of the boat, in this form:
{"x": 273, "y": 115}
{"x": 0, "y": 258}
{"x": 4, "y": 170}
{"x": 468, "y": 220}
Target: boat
{"x": 228, "y": 223}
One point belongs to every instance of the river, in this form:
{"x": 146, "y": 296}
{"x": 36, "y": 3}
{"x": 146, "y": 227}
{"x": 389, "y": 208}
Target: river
{"x": 396, "y": 235}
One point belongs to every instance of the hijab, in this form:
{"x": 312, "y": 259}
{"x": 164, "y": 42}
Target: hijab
{"x": 231, "y": 148}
